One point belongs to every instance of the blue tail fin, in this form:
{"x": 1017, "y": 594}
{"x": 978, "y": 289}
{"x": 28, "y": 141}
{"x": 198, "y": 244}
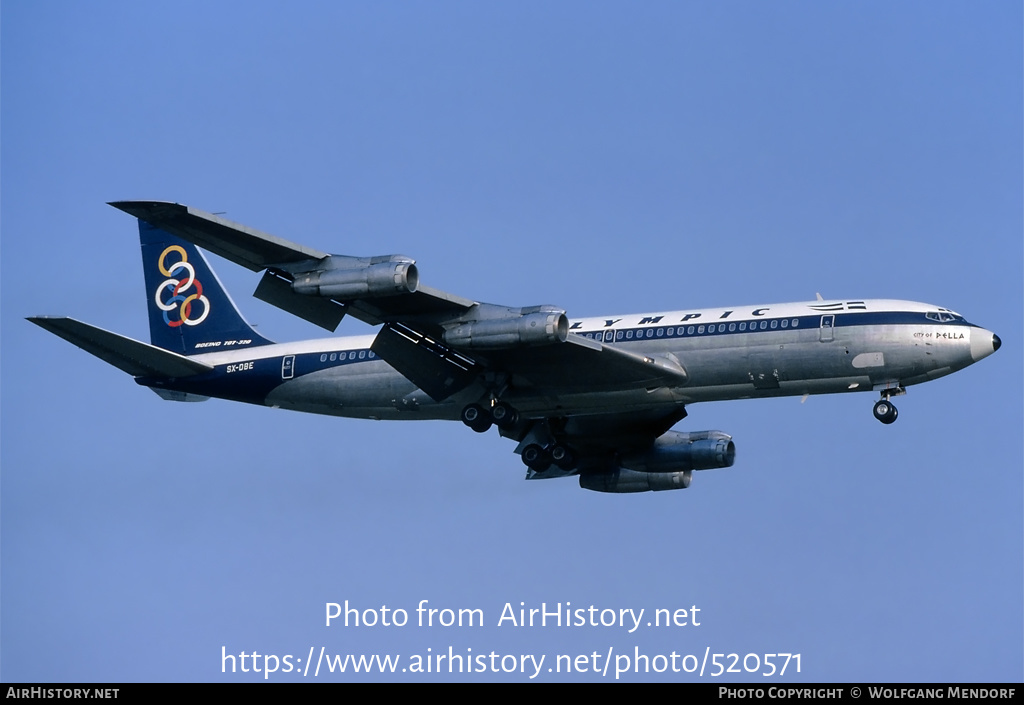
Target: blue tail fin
{"x": 189, "y": 310}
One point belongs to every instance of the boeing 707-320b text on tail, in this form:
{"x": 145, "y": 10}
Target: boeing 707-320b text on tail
{"x": 593, "y": 397}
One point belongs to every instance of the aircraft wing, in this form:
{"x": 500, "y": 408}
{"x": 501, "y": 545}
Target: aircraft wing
{"x": 576, "y": 364}
{"x": 286, "y": 261}
{"x": 440, "y": 341}
{"x": 618, "y": 432}
{"x": 580, "y": 364}
{"x": 241, "y": 244}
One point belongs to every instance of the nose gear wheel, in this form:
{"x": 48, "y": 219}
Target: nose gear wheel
{"x": 885, "y": 411}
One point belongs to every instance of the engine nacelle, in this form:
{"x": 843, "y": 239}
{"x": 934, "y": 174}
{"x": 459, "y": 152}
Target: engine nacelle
{"x": 538, "y": 328}
{"x": 677, "y": 451}
{"x": 624, "y": 480}
{"x": 381, "y": 279}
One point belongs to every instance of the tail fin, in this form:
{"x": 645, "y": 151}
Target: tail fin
{"x": 189, "y": 310}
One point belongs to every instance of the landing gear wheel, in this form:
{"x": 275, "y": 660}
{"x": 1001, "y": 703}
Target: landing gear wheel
{"x": 477, "y": 418}
{"x": 885, "y": 411}
{"x": 563, "y": 457}
{"x": 536, "y": 458}
{"x": 504, "y": 415}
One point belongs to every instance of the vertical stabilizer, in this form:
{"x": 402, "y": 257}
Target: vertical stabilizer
{"x": 189, "y": 310}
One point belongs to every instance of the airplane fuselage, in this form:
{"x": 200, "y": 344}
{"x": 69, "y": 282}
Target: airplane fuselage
{"x": 744, "y": 352}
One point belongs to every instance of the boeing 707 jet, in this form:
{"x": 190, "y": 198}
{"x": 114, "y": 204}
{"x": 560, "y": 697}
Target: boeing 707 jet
{"x": 592, "y": 397}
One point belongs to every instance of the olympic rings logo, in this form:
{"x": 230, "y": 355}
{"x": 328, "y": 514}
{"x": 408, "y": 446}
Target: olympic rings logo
{"x": 179, "y": 287}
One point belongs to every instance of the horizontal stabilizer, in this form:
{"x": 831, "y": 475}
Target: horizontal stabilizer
{"x": 131, "y": 356}
{"x": 174, "y": 395}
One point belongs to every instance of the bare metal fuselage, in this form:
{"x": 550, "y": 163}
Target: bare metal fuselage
{"x": 741, "y": 353}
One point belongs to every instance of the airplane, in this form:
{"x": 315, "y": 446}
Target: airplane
{"x": 590, "y": 397}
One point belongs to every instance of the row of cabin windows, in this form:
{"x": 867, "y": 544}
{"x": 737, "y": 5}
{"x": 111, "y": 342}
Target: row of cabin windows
{"x": 673, "y": 331}
{"x": 362, "y": 355}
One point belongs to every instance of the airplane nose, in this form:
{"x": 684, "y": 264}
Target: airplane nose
{"x": 983, "y": 343}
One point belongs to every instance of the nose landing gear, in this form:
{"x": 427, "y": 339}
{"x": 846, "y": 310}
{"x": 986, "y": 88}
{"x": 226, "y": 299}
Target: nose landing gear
{"x": 885, "y": 411}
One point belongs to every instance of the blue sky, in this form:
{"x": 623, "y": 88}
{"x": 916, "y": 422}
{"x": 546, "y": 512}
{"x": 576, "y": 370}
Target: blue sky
{"x": 601, "y": 157}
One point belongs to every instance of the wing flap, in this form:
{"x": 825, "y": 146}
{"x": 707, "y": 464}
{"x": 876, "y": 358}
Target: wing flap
{"x": 131, "y": 356}
{"x": 432, "y": 366}
{"x": 277, "y": 291}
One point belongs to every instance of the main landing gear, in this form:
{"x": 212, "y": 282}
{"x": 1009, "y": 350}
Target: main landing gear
{"x": 539, "y": 458}
{"x": 539, "y": 455}
{"x": 480, "y": 418}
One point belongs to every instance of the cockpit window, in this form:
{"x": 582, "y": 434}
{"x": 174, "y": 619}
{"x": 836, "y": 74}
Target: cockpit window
{"x": 940, "y": 316}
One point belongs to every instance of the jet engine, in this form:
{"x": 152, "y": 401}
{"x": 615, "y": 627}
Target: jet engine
{"x": 388, "y": 278}
{"x": 667, "y": 465}
{"x": 676, "y": 450}
{"x": 622, "y": 480}
{"x": 543, "y": 327}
